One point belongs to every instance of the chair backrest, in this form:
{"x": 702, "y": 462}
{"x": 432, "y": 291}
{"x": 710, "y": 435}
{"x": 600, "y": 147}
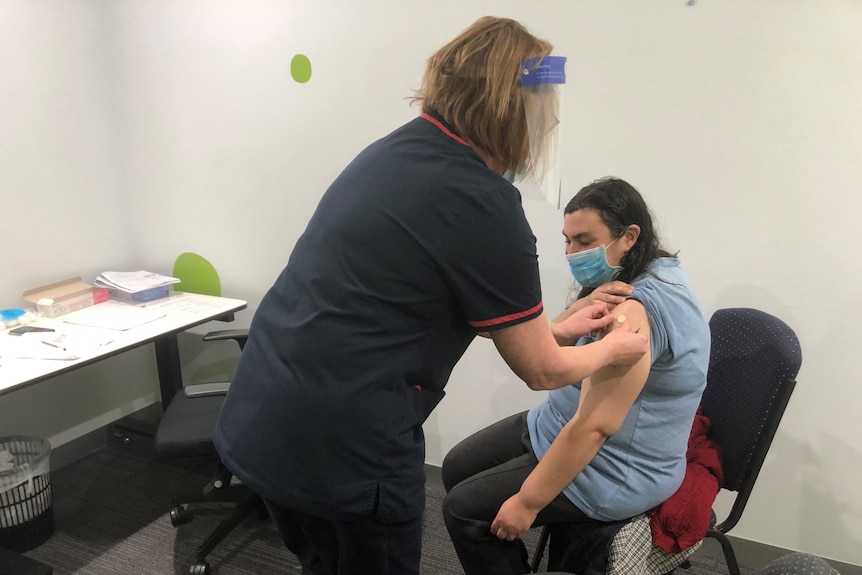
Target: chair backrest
{"x": 754, "y": 359}
{"x": 196, "y": 275}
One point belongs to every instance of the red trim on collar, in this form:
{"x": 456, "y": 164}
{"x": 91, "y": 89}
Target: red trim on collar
{"x": 444, "y": 129}
{"x": 506, "y": 318}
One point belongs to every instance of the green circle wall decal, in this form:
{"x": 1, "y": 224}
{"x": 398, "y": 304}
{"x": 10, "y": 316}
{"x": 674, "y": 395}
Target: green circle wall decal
{"x": 300, "y": 68}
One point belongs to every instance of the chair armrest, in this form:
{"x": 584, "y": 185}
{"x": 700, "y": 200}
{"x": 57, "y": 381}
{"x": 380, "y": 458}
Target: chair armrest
{"x": 206, "y": 389}
{"x": 235, "y": 334}
{"x": 238, "y": 335}
{"x": 219, "y": 387}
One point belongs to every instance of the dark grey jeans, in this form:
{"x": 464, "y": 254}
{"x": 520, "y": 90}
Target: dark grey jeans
{"x": 479, "y": 474}
{"x": 326, "y": 547}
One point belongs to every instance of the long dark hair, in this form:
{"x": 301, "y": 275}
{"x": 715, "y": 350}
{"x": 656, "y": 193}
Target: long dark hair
{"x": 620, "y": 205}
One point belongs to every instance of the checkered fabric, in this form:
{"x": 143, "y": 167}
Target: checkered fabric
{"x": 633, "y": 543}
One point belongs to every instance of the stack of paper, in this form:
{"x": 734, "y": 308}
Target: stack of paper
{"x": 132, "y": 282}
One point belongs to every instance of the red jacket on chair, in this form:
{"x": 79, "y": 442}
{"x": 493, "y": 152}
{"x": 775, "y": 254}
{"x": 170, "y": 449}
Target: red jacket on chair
{"x": 683, "y": 519}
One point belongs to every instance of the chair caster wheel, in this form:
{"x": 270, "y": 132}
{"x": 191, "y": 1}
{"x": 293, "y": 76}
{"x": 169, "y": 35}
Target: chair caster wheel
{"x": 179, "y": 515}
{"x": 200, "y": 568}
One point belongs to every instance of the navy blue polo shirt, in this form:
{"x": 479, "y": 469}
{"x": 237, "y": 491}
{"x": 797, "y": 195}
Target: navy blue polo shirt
{"x": 414, "y": 248}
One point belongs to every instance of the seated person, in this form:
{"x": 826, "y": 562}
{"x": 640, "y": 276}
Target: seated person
{"x": 608, "y": 447}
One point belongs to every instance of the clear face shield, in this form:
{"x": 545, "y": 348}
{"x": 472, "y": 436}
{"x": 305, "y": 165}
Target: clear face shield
{"x": 542, "y": 83}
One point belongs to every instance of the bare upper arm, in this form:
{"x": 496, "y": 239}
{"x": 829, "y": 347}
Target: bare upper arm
{"x": 608, "y": 394}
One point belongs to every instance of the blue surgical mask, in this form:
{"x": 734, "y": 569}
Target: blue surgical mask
{"x": 510, "y": 176}
{"x": 590, "y": 268}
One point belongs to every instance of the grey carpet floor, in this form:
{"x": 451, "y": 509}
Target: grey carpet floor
{"x": 111, "y": 511}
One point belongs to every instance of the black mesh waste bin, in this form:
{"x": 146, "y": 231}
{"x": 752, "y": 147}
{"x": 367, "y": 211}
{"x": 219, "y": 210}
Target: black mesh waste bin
{"x": 26, "y": 511}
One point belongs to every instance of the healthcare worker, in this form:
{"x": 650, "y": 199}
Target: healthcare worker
{"x": 419, "y": 244}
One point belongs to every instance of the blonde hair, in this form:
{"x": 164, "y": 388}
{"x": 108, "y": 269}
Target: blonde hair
{"x": 472, "y": 83}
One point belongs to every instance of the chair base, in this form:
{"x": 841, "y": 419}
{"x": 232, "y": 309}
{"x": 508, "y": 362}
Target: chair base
{"x": 218, "y": 490}
{"x": 251, "y": 503}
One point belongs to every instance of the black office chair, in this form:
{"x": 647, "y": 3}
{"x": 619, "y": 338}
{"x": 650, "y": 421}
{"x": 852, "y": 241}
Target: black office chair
{"x": 753, "y": 365}
{"x": 754, "y": 360}
{"x": 186, "y": 430}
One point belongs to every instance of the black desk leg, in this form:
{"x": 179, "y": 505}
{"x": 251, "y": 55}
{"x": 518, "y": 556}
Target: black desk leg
{"x": 168, "y": 363}
{"x": 170, "y": 381}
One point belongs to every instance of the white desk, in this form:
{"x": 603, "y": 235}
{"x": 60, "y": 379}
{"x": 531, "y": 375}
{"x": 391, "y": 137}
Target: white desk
{"x": 182, "y": 311}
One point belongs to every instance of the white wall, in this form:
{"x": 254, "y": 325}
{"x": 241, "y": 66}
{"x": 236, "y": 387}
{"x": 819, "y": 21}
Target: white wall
{"x": 64, "y": 207}
{"x": 740, "y": 122}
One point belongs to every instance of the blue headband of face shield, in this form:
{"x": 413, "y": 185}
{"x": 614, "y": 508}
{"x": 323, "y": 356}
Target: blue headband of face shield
{"x": 541, "y": 81}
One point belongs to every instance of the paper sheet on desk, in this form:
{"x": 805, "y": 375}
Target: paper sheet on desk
{"x": 114, "y": 316}
{"x": 54, "y": 346}
{"x": 184, "y": 303}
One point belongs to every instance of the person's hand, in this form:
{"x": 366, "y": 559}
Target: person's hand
{"x": 627, "y": 347}
{"x": 612, "y": 293}
{"x": 593, "y": 318}
{"x": 513, "y": 519}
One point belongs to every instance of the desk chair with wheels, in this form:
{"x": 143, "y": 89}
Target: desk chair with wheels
{"x": 754, "y": 360}
{"x": 186, "y": 427}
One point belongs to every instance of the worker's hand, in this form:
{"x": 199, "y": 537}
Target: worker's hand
{"x": 612, "y": 293}
{"x": 513, "y": 519}
{"x": 593, "y": 318}
{"x": 626, "y": 346}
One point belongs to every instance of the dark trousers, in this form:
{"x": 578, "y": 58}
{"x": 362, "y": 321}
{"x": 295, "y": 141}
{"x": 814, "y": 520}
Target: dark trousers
{"x": 479, "y": 474}
{"x": 326, "y": 547}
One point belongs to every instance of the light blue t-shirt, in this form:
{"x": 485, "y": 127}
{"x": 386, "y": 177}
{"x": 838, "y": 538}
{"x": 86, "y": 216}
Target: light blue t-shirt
{"x": 644, "y": 462}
